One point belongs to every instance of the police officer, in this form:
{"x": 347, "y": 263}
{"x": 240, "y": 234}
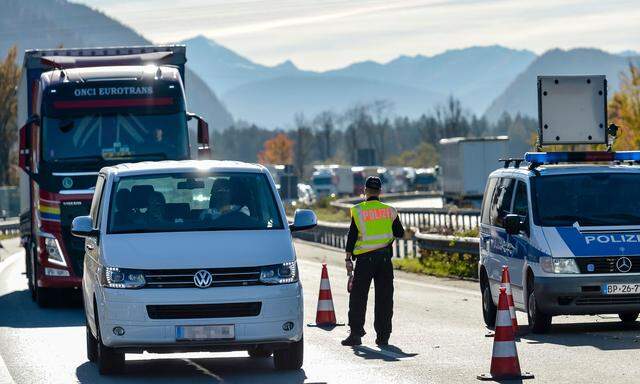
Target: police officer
{"x": 374, "y": 225}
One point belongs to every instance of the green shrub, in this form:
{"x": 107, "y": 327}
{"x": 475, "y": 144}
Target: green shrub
{"x": 440, "y": 264}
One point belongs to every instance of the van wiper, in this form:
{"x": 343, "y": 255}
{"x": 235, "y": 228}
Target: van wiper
{"x": 582, "y": 220}
{"x": 160, "y": 155}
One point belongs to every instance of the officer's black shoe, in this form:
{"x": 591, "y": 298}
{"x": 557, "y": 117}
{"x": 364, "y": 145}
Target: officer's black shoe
{"x": 352, "y": 340}
{"x": 382, "y": 341}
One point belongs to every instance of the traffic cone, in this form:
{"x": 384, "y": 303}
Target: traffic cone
{"x": 325, "y": 315}
{"x": 506, "y": 283}
{"x": 504, "y": 359}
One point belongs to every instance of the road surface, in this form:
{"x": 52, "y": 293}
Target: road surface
{"x": 438, "y": 338}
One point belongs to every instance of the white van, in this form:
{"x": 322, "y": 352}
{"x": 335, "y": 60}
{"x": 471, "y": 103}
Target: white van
{"x": 569, "y": 233}
{"x": 190, "y": 256}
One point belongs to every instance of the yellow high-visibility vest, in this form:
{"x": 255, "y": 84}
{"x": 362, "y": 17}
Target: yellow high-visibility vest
{"x": 374, "y": 221}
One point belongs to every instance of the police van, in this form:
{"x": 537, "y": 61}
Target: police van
{"x": 567, "y": 224}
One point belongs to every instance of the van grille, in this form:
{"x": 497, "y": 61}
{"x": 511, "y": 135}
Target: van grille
{"x": 605, "y": 264}
{"x": 203, "y": 311}
{"x": 183, "y": 278}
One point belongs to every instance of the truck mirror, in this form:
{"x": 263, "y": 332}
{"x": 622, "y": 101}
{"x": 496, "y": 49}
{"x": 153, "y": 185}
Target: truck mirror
{"x": 24, "y": 154}
{"x": 204, "y": 150}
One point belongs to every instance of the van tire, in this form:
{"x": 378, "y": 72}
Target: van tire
{"x": 289, "y": 358}
{"x": 259, "y": 353}
{"x": 92, "y": 346}
{"x": 628, "y": 318}
{"x": 539, "y": 322}
{"x": 488, "y": 307}
{"x": 108, "y": 359}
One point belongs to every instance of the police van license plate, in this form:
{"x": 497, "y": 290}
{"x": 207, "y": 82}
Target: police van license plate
{"x": 205, "y": 332}
{"x": 621, "y": 289}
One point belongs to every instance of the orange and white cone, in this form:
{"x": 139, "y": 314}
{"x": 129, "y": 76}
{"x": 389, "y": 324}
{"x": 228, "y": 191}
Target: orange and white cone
{"x": 504, "y": 359}
{"x": 325, "y": 315}
{"x": 506, "y": 283}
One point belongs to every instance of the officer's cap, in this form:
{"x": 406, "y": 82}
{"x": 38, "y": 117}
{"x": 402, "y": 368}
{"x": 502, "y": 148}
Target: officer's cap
{"x": 373, "y": 182}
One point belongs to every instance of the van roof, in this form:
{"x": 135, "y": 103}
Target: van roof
{"x": 175, "y": 166}
{"x": 565, "y": 169}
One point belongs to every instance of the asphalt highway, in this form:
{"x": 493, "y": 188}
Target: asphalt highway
{"x": 438, "y": 337}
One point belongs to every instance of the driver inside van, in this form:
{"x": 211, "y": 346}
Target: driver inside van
{"x": 221, "y": 201}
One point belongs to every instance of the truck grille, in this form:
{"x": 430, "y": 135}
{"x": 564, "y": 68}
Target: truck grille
{"x": 183, "y": 278}
{"x": 203, "y": 311}
{"x": 605, "y": 264}
{"x": 608, "y": 300}
{"x": 74, "y": 245}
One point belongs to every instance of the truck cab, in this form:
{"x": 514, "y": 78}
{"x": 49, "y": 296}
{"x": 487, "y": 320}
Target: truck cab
{"x": 82, "y": 110}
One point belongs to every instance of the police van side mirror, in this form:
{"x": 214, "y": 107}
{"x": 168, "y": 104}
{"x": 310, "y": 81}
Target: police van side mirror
{"x": 513, "y": 224}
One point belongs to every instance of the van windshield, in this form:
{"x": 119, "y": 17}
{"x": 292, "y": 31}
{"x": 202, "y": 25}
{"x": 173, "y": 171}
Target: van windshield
{"x": 591, "y": 199}
{"x": 193, "y": 202}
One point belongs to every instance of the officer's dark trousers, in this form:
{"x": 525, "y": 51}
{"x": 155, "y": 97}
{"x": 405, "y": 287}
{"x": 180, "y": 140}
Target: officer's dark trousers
{"x": 376, "y": 266}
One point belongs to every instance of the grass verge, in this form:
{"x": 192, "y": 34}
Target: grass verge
{"x": 440, "y": 264}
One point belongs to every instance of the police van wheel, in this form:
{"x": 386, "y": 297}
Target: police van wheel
{"x": 538, "y": 322}
{"x": 488, "y": 307}
{"x": 289, "y": 358}
{"x": 628, "y": 317}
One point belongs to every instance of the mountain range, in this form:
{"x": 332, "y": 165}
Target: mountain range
{"x": 52, "y": 23}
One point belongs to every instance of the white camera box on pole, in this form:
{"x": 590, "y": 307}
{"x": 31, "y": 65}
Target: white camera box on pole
{"x": 572, "y": 109}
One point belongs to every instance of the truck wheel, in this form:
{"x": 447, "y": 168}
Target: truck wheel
{"x": 538, "y": 322}
{"x": 488, "y": 307}
{"x": 289, "y": 358}
{"x": 28, "y": 255}
{"x": 628, "y": 318}
{"x": 92, "y": 346}
{"x": 259, "y": 352}
{"x": 109, "y": 360}
{"x": 43, "y": 296}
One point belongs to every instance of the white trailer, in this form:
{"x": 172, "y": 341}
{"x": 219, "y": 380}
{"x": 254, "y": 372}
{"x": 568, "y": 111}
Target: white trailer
{"x": 467, "y": 162}
{"x": 332, "y": 180}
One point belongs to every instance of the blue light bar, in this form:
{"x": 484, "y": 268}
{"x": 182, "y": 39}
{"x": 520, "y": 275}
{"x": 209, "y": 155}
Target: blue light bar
{"x": 578, "y": 157}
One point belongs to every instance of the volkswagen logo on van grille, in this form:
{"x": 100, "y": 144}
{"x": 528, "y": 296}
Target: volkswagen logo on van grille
{"x": 202, "y": 279}
{"x": 623, "y": 264}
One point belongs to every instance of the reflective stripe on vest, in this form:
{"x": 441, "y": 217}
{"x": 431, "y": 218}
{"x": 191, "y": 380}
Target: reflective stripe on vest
{"x": 374, "y": 221}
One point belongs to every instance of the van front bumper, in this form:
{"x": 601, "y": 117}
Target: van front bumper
{"x": 582, "y": 295}
{"x": 128, "y": 309}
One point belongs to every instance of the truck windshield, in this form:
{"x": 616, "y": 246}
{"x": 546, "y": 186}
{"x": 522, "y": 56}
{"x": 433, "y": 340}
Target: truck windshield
{"x": 322, "y": 180}
{"x": 193, "y": 202}
{"x": 592, "y": 199}
{"x": 115, "y": 137}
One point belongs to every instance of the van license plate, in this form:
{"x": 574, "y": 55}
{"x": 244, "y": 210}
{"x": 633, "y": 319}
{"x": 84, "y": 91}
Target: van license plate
{"x": 621, "y": 289}
{"x": 205, "y": 332}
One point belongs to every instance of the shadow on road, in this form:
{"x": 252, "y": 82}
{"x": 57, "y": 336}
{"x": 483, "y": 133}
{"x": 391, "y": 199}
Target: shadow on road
{"x": 17, "y": 310}
{"x": 606, "y": 336}
{"x": 209, "y": 370}
{"x": 387, "y": 353}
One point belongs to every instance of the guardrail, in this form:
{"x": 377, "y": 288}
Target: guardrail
{"x": 335, "y": 235}
{"x": 451, "y": 218}
{"x": 10, "y": 227}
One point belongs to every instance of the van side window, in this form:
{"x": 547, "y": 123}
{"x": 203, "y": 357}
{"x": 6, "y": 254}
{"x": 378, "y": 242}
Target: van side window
{"x": 520, "y": 201}
{"x": 95, "y": 203}
{"x": 501, "y": 201}
{"x": 488, "y": 196}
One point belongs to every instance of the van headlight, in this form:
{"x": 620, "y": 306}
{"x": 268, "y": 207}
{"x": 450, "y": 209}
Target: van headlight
{"x": 112, "y": 277}
{"x": 555, "y": 265}
{"x": 280, "y": 273}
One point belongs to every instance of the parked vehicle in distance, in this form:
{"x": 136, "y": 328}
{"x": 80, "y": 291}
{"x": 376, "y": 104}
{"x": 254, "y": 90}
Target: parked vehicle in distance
{"x": 190, "y": 256}
{"x": 83, "y": 109}
{"x": 306, "y": 195}
{"x": 569, "y": 233}
{"x": 426, "y": 179}
{"x": 3, "y": 214}
{"x": 336, "y": 180}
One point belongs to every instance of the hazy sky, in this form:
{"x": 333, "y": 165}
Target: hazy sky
{"x": 332, "y": 33}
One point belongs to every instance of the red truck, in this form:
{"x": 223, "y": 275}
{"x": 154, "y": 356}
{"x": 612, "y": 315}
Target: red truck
{"x": 81, "y": 110}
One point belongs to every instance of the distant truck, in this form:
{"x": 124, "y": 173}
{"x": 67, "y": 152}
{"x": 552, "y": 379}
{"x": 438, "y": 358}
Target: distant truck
{"x": 426, "y": 179}
{"x": 465, "y": 164}
{"x": 330, "y": 180}
{"x": 81, "y": 110}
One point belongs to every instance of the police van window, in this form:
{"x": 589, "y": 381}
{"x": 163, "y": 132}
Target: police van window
{"x": 501, "y": 202}
{"x": 488, "y": 195}
{"x": 520, "y": 201}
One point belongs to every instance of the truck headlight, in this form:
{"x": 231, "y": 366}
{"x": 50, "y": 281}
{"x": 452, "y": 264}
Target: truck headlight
{"x": 52, "y": 247}
{"x": 280, "y": 273}
{"x": 555, "y": 265}
{"x": 112, "y": 277}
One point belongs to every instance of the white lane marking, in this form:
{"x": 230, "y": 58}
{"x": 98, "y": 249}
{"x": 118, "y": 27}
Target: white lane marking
{"x": 203, "y": 370}
{"x": 411, "y": 282}
{"x": 9, "y": 260}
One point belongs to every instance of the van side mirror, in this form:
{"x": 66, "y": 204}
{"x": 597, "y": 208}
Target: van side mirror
{"x": 204, "y": 150}
{"x": 513, "y": 224}
{"x": 82, "y": 226}
{"x": 24, "y": 154}
{"x": 303, "y": 219}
